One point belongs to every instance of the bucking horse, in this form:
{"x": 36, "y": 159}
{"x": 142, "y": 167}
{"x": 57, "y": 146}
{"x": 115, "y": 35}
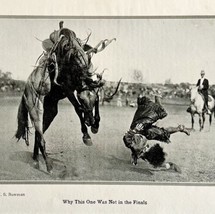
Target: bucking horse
{"x": 63, "y": 74}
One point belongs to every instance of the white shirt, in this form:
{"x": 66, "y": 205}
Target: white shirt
{"x": 201, "y": 82}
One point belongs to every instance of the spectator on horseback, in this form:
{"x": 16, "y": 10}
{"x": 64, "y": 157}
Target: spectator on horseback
{"x": 203, "y": 86}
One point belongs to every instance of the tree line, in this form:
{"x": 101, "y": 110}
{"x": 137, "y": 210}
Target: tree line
{"x": 8, "y": 84}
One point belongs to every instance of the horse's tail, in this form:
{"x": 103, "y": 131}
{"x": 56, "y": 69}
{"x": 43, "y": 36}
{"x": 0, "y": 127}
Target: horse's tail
{"x": 22, "y": 117}
{"x": 214, "y": 111}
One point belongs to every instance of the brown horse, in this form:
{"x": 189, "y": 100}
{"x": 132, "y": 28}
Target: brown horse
{"x": 60, "y": 75}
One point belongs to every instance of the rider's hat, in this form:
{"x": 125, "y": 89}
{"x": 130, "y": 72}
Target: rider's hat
{"x": 202, "y": 72}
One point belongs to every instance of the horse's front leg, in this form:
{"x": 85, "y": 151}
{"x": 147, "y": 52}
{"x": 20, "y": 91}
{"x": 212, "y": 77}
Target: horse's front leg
{"x": 200, "y": 122}
{"x": 192, "y": 121}
{"x": 210, "y": 119}
{"x": 86, "y": 137}
{"x": 203, "y": 120}
{"x": 95, "y": 126}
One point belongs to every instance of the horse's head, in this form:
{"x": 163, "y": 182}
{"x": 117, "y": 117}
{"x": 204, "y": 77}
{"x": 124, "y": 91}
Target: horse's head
{"x": 193, "y": 93}
{"x": 87, "y": 99}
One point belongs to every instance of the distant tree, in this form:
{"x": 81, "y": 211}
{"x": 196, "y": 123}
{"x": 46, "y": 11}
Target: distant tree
{"x": 184, "y": 85}
{"x": 168, "y": 81}
{"x": 7, "y": 83}
{"x": 138, "y": 76}
{"x": 8, "y": 75}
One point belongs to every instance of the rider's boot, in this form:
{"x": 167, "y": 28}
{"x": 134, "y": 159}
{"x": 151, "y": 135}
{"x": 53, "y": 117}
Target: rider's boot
{"x": 183, "y": 129}
{"x": 189, "y": 109}
{"x": 208, "y": 111}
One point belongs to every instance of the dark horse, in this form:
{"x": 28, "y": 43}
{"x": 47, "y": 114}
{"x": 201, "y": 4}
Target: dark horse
{"x": 64, "y": 72}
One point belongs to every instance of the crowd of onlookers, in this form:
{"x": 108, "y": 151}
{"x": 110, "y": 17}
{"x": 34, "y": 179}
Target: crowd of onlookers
{"x": 8, "y": 84}
{"x": 127, "y": 92}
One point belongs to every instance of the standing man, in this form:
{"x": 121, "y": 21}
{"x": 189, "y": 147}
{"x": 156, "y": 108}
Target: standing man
{"x": 203, "y": 86}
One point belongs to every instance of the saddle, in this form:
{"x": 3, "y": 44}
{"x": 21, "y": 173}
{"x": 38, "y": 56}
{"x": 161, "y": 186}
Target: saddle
{"x": 209, "y": 97}
{"x": 206, "y": 108}
{"x": 47, "y": 45}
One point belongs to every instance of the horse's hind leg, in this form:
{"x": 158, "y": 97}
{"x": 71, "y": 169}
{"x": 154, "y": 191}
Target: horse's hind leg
{"x": 37, "y": 118}
{"x": 44, "y": 154}
{"x": 36, "y": 151}
{"x": 50, "y": 111}
{"x": 40, "y": 144}
{"x": 210, "y": 119}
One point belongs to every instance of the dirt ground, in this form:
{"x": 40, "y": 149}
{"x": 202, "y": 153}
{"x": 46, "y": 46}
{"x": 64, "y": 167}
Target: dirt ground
{"x": 108, "y": 159}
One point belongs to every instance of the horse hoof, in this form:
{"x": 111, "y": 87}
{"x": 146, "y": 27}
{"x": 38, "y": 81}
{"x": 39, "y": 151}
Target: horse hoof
{"x": 133, "y": 161}
{"x": 36, "y": 165}
{"x": 50, "y": 172}
{"x": 94, "y": 130}
{"x": 87, "y": 141}
{"x": 49, "y": 166}
{"x": 49, "y": 169}
{"x": 175, "y": 167}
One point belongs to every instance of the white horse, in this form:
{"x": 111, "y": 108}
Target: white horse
{"x": 197, "y": 106}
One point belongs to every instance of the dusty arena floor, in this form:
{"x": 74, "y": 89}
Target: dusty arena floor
{"x": 108, "y": 159}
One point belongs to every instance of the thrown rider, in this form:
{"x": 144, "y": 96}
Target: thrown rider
{"x": 143, "y": 129}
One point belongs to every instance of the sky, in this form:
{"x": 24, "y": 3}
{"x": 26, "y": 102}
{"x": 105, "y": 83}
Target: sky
{"x": 160, "y": 49}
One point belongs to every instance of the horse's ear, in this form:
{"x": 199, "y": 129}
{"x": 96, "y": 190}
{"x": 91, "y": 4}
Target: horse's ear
{"x": 191, "y": 87}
